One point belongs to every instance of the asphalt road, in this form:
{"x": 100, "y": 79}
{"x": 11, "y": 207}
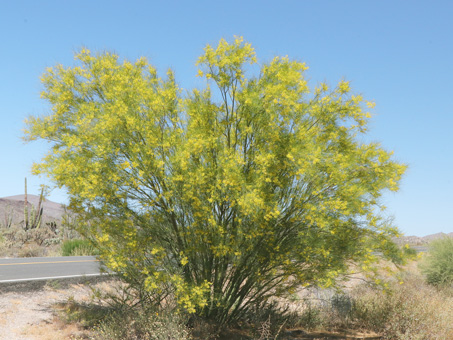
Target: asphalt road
{"x": 46, "y": 268}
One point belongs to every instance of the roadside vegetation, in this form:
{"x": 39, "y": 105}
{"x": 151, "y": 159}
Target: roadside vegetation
{"x": 437, "y": 266}
{"x": 33, "y": 234}
{"x": 45, "y": 240}
{"x": 402, "y": 307}
{"x": 78, "y": 247}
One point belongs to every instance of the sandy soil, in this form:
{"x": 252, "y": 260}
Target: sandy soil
{"x": 28, "y": 310}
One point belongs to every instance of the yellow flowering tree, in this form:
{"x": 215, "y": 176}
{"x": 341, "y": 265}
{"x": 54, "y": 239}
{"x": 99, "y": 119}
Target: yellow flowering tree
{"x": 228, "y": 195}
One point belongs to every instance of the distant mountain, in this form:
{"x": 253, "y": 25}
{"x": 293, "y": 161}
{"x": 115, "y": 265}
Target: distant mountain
{"x": 421, "y": 241}
{"x": 13, "y": 206}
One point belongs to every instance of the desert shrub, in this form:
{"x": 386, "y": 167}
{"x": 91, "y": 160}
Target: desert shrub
{"x": 409, "y": 310}
{"x": 67, "y": 228}
{"x": 437, "y": 265}
{"x": 31, "y": 250}
{"x": 410, "y": 252}
{"x": 51, "y": 241}
{"x": 85, "y": 250}
{"x": 113, "y": 314}
{"x": 230, "y": 199}
{"x": 139, "y": 325}
{"x": 40, "y": 235}
{"x": 267, "y": 320}
{"x": 311, "y": 317}
{"x": 15, "y": 234}
{"x": 78, "y": 247}
{"x": 6, "y": 243}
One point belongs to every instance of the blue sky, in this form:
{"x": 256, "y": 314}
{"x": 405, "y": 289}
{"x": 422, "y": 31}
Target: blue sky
{"x": 397, "y": 53}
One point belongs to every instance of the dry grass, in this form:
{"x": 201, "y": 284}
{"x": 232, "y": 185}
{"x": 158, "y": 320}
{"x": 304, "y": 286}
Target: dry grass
{"x": 411, "y": 310}
{"x": 408, "y": 309}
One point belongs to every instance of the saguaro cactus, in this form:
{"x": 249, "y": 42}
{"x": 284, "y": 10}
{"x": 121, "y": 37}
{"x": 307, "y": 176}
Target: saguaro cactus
{"x": 26, "y": 206}
{"x": 33, "y": 221}
{"x": 8, "y": 219}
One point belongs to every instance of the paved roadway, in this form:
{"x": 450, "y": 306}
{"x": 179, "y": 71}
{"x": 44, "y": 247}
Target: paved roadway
{"x": 46, "y": 268}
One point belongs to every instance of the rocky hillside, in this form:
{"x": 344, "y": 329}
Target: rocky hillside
{"x": 12, "y": 209}
{"x": 421, "y": 241}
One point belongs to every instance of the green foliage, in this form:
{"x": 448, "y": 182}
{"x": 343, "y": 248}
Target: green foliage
{"x": 227, "y": 195}
{"x": 437, "y": 265}
{"x": 311, "y": 317}
{"x": 410, "y": 252}
{"x": 78, "y": 247}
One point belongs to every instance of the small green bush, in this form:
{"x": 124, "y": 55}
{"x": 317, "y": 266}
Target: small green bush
{"x": 78, "y": 247}
{"x": 437, "y": 265}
